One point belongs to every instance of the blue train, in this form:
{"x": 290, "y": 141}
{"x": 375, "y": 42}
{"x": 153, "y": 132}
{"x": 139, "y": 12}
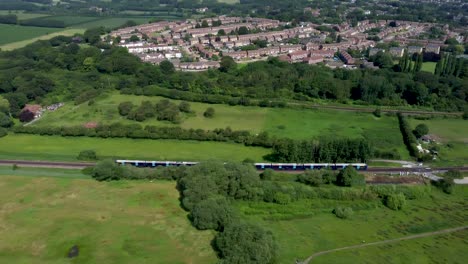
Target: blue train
{"x": 259, "y": 166}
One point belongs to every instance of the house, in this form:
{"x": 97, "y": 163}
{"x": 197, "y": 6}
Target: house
{"x": 414, "y": 49}
{"x": 374, "y": 51}
{"x": 432, "y": 48}
{"x": 346, "y": 57}
{"x": 33, "y": 108}
{"x": 298, "y": 55}
{"x": 313, "y": 60}
{"x": 290, "y": 48}
{"x": 397, "y": 51}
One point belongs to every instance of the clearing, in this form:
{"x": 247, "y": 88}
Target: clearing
{"x": 110, "y": 222}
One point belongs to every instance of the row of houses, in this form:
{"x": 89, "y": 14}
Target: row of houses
{"x": 400, "y": 51}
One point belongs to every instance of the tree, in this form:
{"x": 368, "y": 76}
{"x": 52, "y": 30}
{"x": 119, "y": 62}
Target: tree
{"x": 5, "y": 120}
{"x": 243, "y": 30}
{"x": 383, "y": 60}
{"x": 209, "y": 113}
{"x": 446, "y": 185}
{"x": 311, "y": 177}
{"x": 184, "y": 106}
{"x": 125, "y": 108}
{"x": 395, "y": 201}
{"x": 4, "y": 105}
{"x": 204, "y": 24}
{"x": 167, "y": 67}
{"x": 134, "y": 38}
{"x": 87, "y": 155}
{"x": 421, "y": 130}
{"x": 213, "y": 213}
{"x": 350, "y": 177}
{"x": 246, "y": 243}
{"x": 377, "y": 112}
{"x": 221, "y": 32}
{"x": 227, "y": 63}
{"x": 3, "y": 132}
{"x": 107, "y": 170}
{"x": 26, "y": 116}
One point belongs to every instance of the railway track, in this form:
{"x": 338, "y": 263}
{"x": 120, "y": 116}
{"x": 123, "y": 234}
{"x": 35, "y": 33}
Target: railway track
{"x": 81, "y": 165}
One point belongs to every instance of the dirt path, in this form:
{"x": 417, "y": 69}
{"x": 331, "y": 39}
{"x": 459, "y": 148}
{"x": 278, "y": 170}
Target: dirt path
{"x": 444, "y": 231}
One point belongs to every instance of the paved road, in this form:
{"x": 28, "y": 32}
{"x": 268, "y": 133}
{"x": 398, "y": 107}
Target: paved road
{"x": 444, "y": 231}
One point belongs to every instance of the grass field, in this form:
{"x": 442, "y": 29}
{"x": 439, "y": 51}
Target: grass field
{"x": 293, "y": 123}
{"x": 22, "y": 43}
{"x": 22, "y": 15}
{"x": 14, "y": 33}
{"x": 110, "y": 222}
{"x": 428, "y": 66}
{"x": 32, "y": 147}
{"x": 306, "y": 227}
{"x": 452, "y": 133}
{"x": 41, "y": 172}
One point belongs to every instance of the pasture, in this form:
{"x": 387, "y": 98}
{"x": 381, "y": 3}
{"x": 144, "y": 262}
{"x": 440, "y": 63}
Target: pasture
{"x": 33, "y": 147}
{"x": 22, "y": 15}
{"x": 41, "y": 36}
{"x": 110, "y": 222}
{"x": 292, "y": 123}
{"x": 15, "y": 33}
{"x": 308, "y": 226}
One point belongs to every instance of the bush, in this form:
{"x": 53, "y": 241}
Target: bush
{"x": 343, "y": 212}
{"x": 108, "y": 170}
{"x": 212, "y": 213}
{"x": 377, "y": 112}
{"x": 395, "y": 201}
{"x": 282, "y": 198}
{"x": 246, "y": 243}
{"x": 185, "y": 107}
{"x": 446, "y": 185}
{"x": 209, "y": 113}
{"x": 311, "y": 177}
{"x": 350, "y": 177}
{"x": 125, "y": 108}
{"x": 87, "y": 155}
{"x": 421, "y": 130}
{"x": 5, "y": 120}
{"x": 3, "y": 132}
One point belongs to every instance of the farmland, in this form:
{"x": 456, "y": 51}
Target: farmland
{"x": 31, "y": 147}
{"x": 110, "y": 222}
{"x": 292, "y": 123}
{"x": 306, "y": 227}
{"x": 14, "y": 33}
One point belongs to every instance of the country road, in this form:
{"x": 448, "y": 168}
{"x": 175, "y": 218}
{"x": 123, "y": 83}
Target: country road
{"x": 434, "y": 233}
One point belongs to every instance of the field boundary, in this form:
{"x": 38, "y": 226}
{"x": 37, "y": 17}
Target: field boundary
{"x": 427, "y": 234}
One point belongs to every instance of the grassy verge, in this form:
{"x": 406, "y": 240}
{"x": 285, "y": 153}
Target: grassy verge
{"x": 32, "y": 147}
{"x": 41, "y": 172}
{"x": 110, "y": 222}
{"x": 308, "y": 226}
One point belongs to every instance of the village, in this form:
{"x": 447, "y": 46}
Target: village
{"x": 194, "y": 45}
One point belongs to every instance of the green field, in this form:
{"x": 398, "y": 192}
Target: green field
{"x": 428, "y": 66}
{"x": 15, "y": 33}
{"x": 292, "y": 123}
{"x": 41, "y": 172}
{"x": 452, "y": 133}
{"x": 32, "y": 147}
{"x": 110, "y": 222}
{"x": 57, "y": 32}
{"x": 22, "y": 15}
{"x": 306, "y": 227}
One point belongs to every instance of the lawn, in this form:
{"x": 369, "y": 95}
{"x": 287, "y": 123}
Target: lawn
{"x": 428, "y": 67}
{"x": 292, "y": 123}
{"x": 453, "y": 134}
{"x": 110, "y": 222}
{"x": 308, "y": 226}
{"x": 15, "y": 33}
{"x": 32, "y": 147}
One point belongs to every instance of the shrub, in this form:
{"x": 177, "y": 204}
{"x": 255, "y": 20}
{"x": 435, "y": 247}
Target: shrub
{"x": 209, "y": 113}
{"x": 421, "y": 130}
{"x": 185, "y": 107}
{"x": 446, "y": 185}
{"x": 377, "y": 112}
{"x": 350, "y": 177}
{"x": 310, "y": 177}
{"x": 212, "y": 213}
{"x": 246, "y": 243}
{"x": 395, "y": 201}
{"x": 125, "y": 108}
{"x": 5, "y": 120}
{"x": 87, "y": 155}
{"x": 3, "y": 132}
{"x": 343, "y": 212}
{"x": 108, "y": 170}
{"x": 282, "y": 198}
{"x": 26, "y": 116}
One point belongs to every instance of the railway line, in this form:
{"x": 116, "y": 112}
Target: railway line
{"x": 81, "y": 165}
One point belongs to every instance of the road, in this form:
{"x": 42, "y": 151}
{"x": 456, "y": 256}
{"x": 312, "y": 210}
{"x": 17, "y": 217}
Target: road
{"x": 444, "y": 231}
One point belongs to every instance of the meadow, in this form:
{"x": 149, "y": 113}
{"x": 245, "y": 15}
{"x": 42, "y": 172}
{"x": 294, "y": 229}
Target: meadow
{"x": 452, "y": 134}
{"x": 32, "y": 147}
{"x": 292, "y": 123}
{"x": 110, "y": 222}
{"x": 15, "y": 33}
{"x": 305, "y": 227}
